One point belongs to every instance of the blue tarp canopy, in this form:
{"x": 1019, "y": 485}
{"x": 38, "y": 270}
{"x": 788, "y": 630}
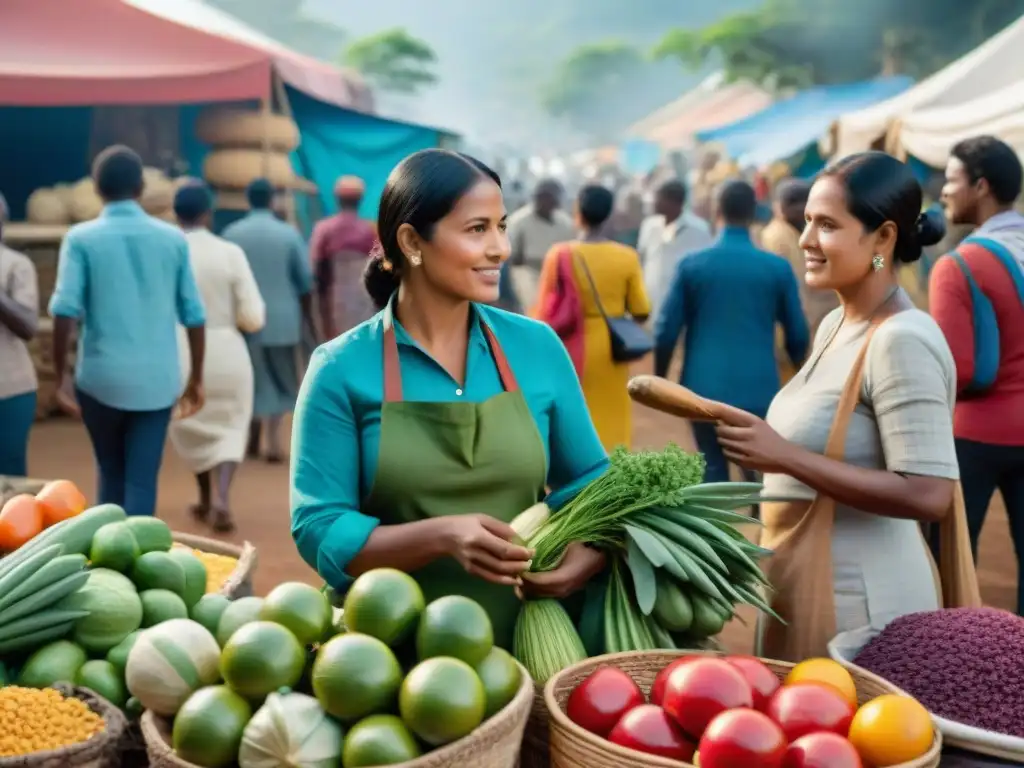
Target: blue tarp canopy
{"x": 788, "y": 127}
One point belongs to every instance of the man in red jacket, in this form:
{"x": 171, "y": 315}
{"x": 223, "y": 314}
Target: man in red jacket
{"x": 983, "y": 180}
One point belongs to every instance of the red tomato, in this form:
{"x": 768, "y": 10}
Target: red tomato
{"x": 762, "y": 680}
{"x": 600, "y": 701}
{"x": 803, "y": 708}
{"x": 742, "y": 738}
{"x": 696, "y": 692}
{"x": 822, "y": 750}
{"x": 650, "y": 730}
{"x": 658, "y": 689}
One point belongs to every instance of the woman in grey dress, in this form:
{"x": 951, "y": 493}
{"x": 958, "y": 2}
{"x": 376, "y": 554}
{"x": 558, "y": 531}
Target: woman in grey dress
{"x": 897, "y": 465}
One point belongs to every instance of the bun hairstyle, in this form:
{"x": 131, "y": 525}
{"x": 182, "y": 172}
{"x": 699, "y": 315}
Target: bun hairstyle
{"x": 421, "y": 190}
{"x": 880, "y": 188}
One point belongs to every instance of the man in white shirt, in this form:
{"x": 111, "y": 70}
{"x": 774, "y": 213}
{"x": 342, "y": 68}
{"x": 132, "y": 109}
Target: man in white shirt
{"x": 666, "y": 237}
{"x": 532, "y": 231}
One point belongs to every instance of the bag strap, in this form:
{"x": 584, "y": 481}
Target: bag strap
{"x": 1003, "y": 254}
{"x": 593, "y": 285}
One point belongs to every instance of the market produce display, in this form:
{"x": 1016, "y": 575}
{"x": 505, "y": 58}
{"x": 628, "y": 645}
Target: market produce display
{"x": 274, "y": 683}
{"x": 963, "y": 664}
{"x": 679, "y": 566}
{"x": 734, "y": 712}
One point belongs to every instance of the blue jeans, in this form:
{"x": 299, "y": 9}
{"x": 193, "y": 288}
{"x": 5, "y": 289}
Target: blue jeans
{"x": 129, "y": 446}
{"x": 717, "y": 470}
{"x": 16, "y": 417}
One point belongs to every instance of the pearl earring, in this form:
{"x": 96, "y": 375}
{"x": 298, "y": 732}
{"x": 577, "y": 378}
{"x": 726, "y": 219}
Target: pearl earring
{"x": 877, "y": 262}
{"x": 415, "y": 260}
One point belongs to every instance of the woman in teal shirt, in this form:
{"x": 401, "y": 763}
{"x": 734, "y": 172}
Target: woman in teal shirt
{"x": 420, "y": 434}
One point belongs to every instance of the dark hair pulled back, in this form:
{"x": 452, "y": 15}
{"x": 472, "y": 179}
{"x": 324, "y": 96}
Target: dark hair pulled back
{"x": 421, "y": 190}
{"x": 880, "y": 188}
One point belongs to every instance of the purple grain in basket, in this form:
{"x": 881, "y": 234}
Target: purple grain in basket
{"x": 963, "y": 664}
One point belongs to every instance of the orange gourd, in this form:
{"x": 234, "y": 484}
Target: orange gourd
{"x": 59, "y": 500}
{"x": 20, "y": 520}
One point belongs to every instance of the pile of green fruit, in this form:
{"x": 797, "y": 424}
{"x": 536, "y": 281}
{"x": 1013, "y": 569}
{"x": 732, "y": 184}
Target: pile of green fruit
{"x": 277, "y": 682}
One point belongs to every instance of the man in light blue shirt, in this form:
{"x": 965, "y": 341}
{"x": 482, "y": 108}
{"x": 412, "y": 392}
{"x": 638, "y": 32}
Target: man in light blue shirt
{"x": 124, "y": 280}
{"x": 277, "y": 256}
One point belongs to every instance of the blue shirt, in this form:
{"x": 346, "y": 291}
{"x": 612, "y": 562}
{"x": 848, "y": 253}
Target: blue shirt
{"x": 728, "y": 299}
{"x": 336, "y": 428}
{"x": 126, "y": 278}
{"x": 277, "y": 256}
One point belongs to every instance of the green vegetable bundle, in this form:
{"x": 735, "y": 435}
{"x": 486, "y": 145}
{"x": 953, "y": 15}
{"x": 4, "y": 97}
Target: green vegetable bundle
{"x": 688, "y": 565}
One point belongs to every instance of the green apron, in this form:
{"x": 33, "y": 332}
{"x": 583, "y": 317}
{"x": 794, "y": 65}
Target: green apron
{"x": 459, "y": 458}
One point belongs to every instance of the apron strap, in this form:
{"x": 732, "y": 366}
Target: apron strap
{"x": 835, "y": 448}
{"x": 393, "y": 365}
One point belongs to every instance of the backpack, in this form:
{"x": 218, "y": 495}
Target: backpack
{"x": 986, "y": 327}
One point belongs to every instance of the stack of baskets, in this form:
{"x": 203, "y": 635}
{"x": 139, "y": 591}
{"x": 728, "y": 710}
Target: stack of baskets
{"x": 573, "y": 747}
{"x": 238, "y": 138}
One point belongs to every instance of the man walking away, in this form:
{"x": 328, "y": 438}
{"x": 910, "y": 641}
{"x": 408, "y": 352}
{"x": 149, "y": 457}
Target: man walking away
{"x": 667, "y": 236}
{"x": 983, "y": 180}
{"x": 125, "y": 281}
{"x": 728, "y": 298}
{"x": 339, "y": 249}
{"x": 277, "y": 256}
{"x": 532, "y": 231}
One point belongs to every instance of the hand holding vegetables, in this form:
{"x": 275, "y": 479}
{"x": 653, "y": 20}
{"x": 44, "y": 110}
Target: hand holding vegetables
{"x": 580, "y": 564}
{"x": 749, "y": 442}
{"x": 483, "y": 546}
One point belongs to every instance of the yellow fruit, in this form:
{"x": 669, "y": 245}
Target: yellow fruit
{"x": 825, "y": 671}
{"x": 891, "y": 730}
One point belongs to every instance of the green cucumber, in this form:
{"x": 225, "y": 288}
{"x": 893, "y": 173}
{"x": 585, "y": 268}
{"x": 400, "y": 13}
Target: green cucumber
{"x": 24, "y": 570}
{"x": 672, "y": 609}
{"x": 44, "y": 598}
{"x": 38, "y": 621}
{"x": 49, "y": 573}
{"x": 36, "y": 639}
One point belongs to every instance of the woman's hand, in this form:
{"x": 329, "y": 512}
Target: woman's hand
{"x": 483, "y": 546}
{"x": 748, "y": 441}
{"x": 579, "y": 565}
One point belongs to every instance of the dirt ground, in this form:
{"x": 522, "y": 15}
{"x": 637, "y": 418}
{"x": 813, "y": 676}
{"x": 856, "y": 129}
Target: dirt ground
{"x": 60, "y": 449}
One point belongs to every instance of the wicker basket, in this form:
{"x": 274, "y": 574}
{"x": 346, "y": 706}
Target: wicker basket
{"x": 101, "y": 751}
{"x": 495, "y": 744}
{"x": 536, "y": 750}
{"x": 239, "y": 583}
{"x": 573, "y": 747}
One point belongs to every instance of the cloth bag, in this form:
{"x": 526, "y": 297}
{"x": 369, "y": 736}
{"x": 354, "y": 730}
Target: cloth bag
{"x": 800, "y": 570}
{"x": 559, "y": 307}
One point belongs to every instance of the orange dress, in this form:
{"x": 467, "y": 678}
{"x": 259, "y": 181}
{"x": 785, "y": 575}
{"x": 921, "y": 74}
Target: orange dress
{"x": 618, "y": 277}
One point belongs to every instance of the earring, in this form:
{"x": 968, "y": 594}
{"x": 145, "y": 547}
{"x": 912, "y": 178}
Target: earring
{"x": 415, "y": 260}
{"x": 877, "y": 262}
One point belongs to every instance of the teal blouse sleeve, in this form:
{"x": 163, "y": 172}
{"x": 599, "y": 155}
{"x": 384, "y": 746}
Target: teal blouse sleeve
{"x": 327, "y": 526}
{"x": 577, "y": 455}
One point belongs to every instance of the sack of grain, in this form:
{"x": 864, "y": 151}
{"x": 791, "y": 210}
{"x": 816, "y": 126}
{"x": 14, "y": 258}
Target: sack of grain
{"x": 237, "y": 168}
{"x": 46, "y": 206}
{"x": 85, "y": 203}
{"x": 157, "y": 191}
{"x": 232, "y": 127}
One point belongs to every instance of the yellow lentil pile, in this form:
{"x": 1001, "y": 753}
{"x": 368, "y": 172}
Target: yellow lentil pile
{"x": 33, "y": 720}
{"x": 218, "y": 568}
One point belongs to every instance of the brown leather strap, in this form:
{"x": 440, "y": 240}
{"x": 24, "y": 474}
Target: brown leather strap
{"x": 393, "y": 365}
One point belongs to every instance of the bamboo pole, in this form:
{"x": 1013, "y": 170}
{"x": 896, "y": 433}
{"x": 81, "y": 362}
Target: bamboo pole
{"x": 284, "y": 104}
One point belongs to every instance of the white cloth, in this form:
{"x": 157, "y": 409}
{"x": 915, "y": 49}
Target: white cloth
{"x": 663, "y": 245}
{"x": 220, "y": 431}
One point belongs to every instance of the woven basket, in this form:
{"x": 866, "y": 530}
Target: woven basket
{"x": 101, "y": 751}
{"x": 536, "y": 750}
{"x": 573, "y": 747}
{"x": 495, "y": 744}
{"x": 239, "y": 583}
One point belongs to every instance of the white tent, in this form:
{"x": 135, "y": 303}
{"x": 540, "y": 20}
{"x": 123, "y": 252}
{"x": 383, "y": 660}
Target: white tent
{"x": 995, "y": 65}
{"x": 929, "y": 134}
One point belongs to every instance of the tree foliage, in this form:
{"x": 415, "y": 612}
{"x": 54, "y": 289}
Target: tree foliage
{"x": 795, "y": 43}
{"x": 394, "y": 61}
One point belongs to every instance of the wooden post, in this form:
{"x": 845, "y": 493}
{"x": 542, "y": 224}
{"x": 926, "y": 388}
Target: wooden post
{"x": 281, "y": 93}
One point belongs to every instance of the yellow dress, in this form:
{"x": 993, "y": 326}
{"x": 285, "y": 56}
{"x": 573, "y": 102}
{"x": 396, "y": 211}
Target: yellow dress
{"x": 618, "y": 277}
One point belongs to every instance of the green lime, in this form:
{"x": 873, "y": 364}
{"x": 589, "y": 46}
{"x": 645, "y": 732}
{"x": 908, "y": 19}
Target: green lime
{"x": 103, "y": 678}
{"x": 260, "y": 658}
{"x": 384, "y": 603}
{"x": 158, "y": 570}
{"x": 114, "y": 547}
{"x": 501, "y": 677}
{"x": 208, "y": 728}
{"x": 208, "y": 611}
{"x": 152, "y": 533}
{"x": 118, "y": 655}
{"x": 239, "y": 613}
{"x": 442, "y": 700}
{"x": 160, "y": 605}
{"x": 195, "y": 575}
{"x": 454, "y": 626}
{"x": 379, "y": 740}
{"x": 301, "y": 608}
{"x": 355, "y": 676}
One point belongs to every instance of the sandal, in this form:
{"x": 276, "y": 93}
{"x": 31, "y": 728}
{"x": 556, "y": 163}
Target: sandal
{"x": 200, "y": 512}
{"x": 222, "y": 522}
